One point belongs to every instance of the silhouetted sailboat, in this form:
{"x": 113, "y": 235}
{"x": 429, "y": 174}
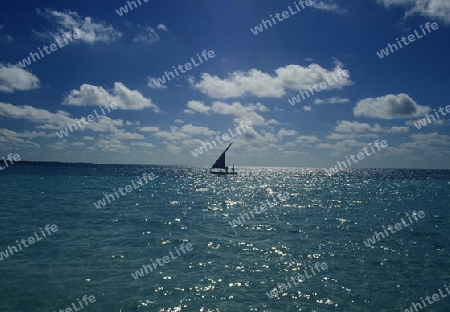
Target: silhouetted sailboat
{"x": 220, "y": 164}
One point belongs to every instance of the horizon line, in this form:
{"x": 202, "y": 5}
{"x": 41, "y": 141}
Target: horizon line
{"x": 206, "y": 166}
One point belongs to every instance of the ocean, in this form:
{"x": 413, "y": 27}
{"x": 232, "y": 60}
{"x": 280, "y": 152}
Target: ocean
{"x": 267, "y": 239}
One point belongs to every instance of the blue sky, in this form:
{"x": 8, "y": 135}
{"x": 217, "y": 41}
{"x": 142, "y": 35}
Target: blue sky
{"x": 115, "y": 58}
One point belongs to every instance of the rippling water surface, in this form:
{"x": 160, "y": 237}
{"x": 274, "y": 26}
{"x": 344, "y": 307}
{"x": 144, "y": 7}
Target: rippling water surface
{"x": 230, "y": 268}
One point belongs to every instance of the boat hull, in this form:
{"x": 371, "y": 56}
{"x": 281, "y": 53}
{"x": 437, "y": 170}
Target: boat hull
{"x": 222, "y": 173}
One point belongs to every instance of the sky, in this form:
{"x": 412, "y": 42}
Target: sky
{"x": 315, "y": 81}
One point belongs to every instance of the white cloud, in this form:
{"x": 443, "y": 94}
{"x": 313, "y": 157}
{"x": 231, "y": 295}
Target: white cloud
{"x": 327, "y": 6}
{"x": 123, "y": 135}
{"x": 77, "y": 144}
{"x": 126, "y": 99}
{"x": 149, "y": 129}
{"x": 352, "y": 126}
{"x": 438, "y": 9}
{"x": 32, "y": 114}
{"x": 429, "y": 143}
{"x": 336, "y": 100}
{"x": 152, "y": 84}
{"x": 11, "y": 136}
{"x": 14, "y": 77}
{"x": 32, "y": 134}
{"x": 284, "y": 132}
{"x": 184, "y": 133}
{"x": 348, "y": 136}
{"x": 59, "y": 146}
{"x": 242, "y": 112}
{"x": 190, "y": 136}
{"x": 134, "y": 123}
{"x": 342, "y": 146}
{"x": 398, "y": 129}
{"x": 142, "y": 144}
{"x": 173, "y": 148}
{"x": 90, "y": 31}
{"x": 162, "y": 27}
{"x": 307, "y": 108}
{"x": 438, "y": 122}
{"x": 194, "y": 130}
{"x": 254, "y": 82}
{"x": 390, "y": 107}
{"x": 197, "y": 106}
{"x": 147, "y": 35}
{"x": 111, "y": 145}
{"x": 173, "y": 135}
{"x": 290, "y": 144}
{"x": 355, "y": 126}
{"x": 264, "y": 85}
{"x": 277, "y": 109}
{"x": 303, "y": 139}
{"x": 57, "y": 121}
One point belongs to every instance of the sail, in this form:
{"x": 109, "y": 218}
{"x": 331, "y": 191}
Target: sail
{"x": 220, "y": 162}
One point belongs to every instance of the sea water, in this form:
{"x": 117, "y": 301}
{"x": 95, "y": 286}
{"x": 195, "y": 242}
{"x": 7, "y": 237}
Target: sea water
{"x": 230, "y": 266}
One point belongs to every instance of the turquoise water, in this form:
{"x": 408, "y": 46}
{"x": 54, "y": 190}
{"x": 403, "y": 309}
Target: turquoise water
{"x": 324, "y": 219}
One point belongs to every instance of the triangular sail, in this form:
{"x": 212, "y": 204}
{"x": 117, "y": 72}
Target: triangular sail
{"x": 220, "y": 162}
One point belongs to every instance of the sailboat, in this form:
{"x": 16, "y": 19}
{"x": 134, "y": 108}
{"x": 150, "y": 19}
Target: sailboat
{"x": 220, "y": 164}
